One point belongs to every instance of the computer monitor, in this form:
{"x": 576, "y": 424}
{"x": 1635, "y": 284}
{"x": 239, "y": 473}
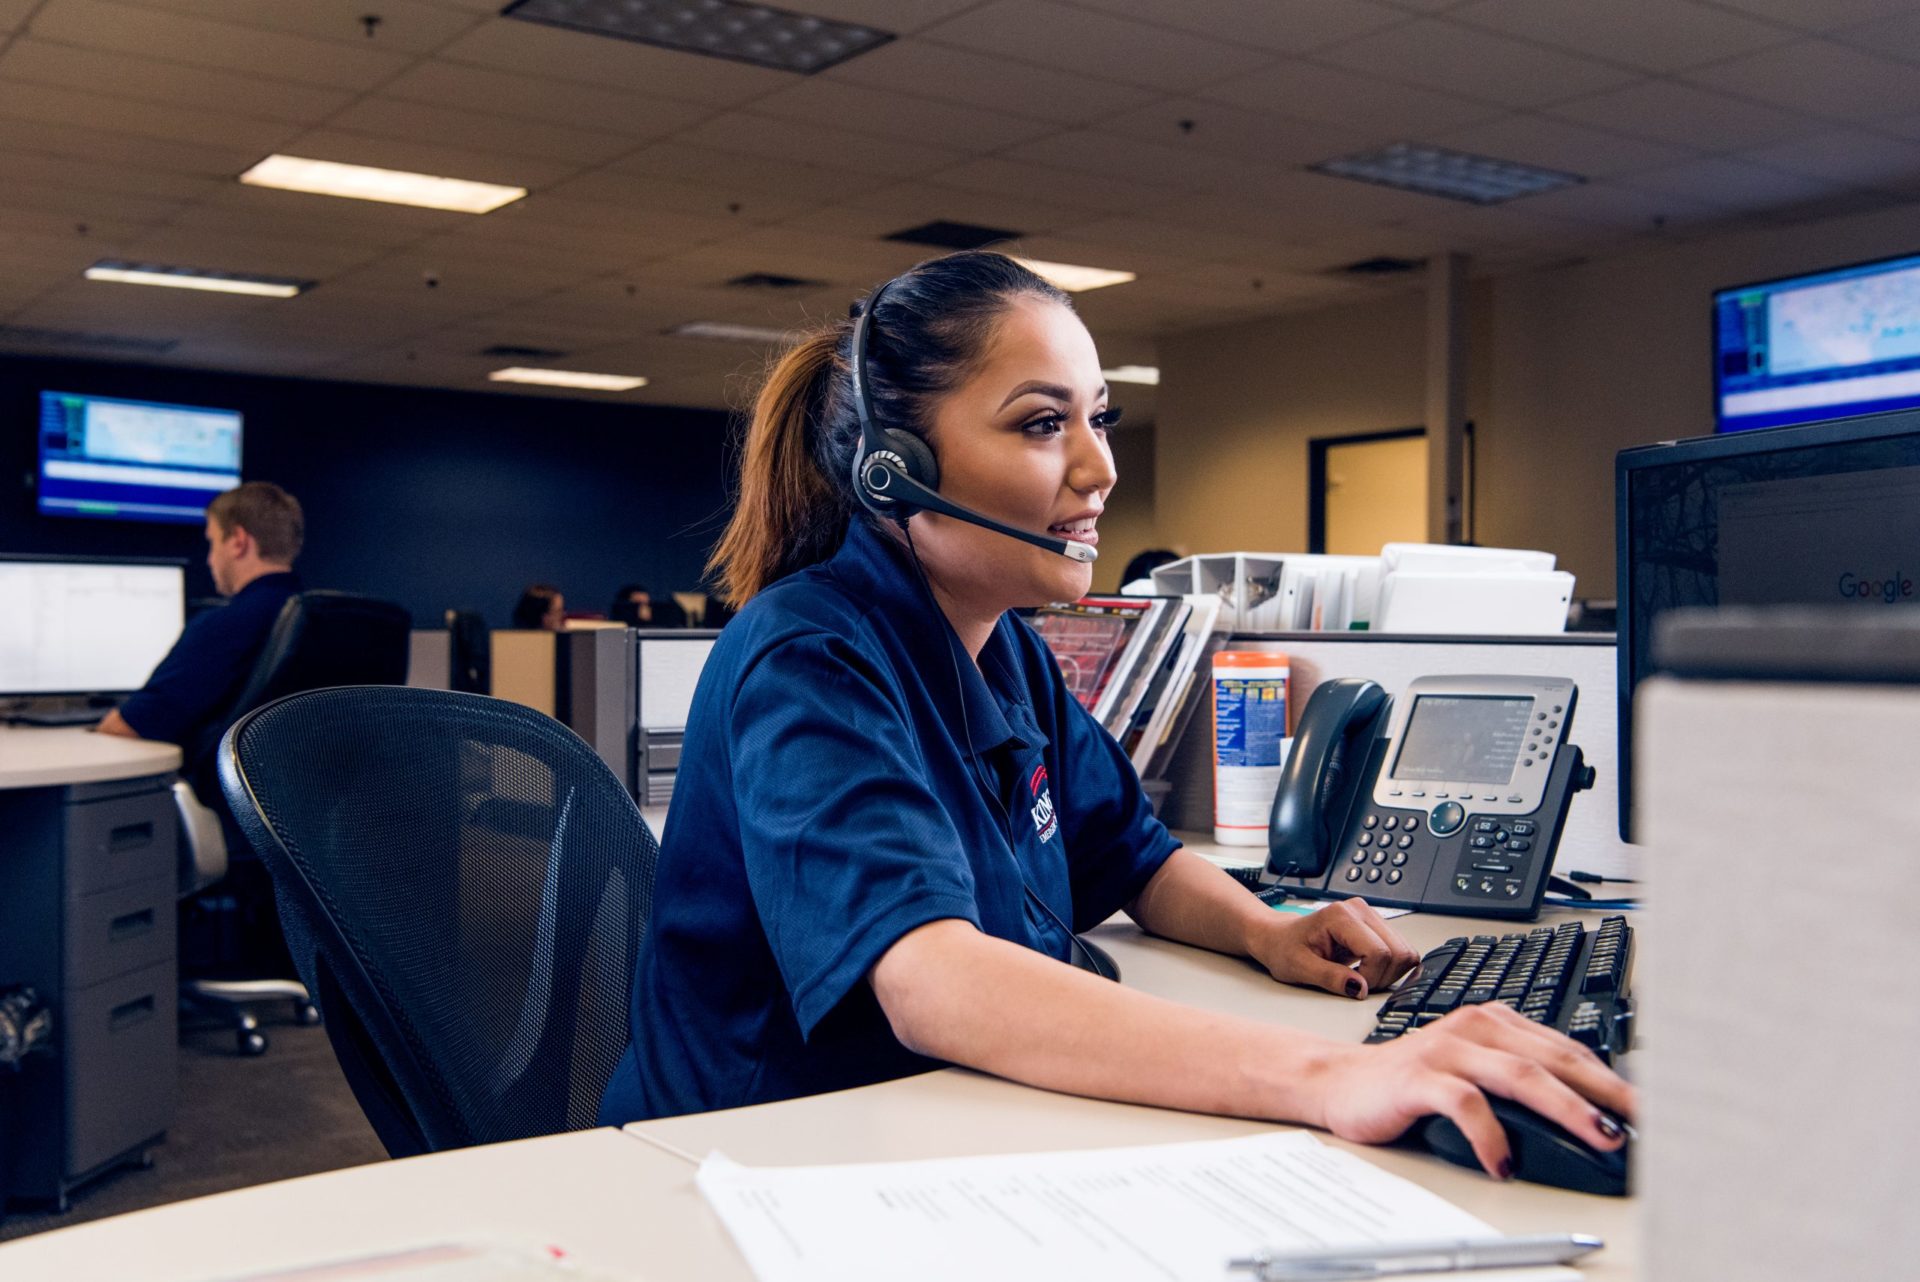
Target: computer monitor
{"x": 86, "y": 627}
{"x": 134, "y": 460}
{"x": 1820, "y": 514}
{"x": 1825, "y": 345}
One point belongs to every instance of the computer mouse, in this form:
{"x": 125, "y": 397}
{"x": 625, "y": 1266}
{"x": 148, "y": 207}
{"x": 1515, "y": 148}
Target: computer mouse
{"x": 1544, "y": 1152}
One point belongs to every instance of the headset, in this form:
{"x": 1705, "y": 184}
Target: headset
{"x": 895, "y": 474}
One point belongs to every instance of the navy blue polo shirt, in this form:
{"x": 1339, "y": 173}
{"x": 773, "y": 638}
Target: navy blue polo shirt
{"x": 832, "y": 796}
{"x": 216, "y": 651}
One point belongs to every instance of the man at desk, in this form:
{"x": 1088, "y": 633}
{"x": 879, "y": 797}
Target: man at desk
{"x": 254, "y": 533}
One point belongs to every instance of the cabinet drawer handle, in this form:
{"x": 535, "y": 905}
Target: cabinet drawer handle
{"x": 128, "y": 836}
{"x": 127, "y": 1014}
{"x": 130, "y": 926}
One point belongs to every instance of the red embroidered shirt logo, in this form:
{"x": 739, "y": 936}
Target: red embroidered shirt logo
{"x": 1045, "y": 822}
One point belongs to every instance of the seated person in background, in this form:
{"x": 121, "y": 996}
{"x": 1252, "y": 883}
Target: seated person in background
{"x": 633, "y": 606}
{"x": 891, "y": 815}
{"x": 254, "y": 533}
{"x": 541, "y": 606}
{"x": 668, "y": 613}
{"x": 1140, "y": 571}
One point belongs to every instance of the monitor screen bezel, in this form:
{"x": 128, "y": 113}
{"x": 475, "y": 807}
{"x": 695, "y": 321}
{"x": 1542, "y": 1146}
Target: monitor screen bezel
{"x": 181, "y": 564}
{"x": 1794, "y": 278}
{"x": 40, "y": 456}
{"x": 1640, "y": 458}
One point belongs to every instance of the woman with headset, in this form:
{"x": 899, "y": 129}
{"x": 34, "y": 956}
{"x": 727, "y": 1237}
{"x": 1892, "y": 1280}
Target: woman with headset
{"x": 891, "y": 817}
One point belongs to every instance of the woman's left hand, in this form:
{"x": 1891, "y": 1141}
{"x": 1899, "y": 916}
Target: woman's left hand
{"x": 1346, "y": 947}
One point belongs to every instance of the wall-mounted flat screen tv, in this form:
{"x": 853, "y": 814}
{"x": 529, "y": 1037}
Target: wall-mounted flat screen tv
{"x": 1825, "y": 345}
{"x": 134, "y": 460}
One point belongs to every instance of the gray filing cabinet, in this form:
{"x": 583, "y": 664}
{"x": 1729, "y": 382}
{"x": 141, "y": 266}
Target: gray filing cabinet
{"x": 87, "y": 887}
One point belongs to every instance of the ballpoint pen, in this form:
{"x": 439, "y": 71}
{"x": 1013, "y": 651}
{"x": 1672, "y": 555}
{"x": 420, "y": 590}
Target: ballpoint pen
{"x": 1443, "y": 1255}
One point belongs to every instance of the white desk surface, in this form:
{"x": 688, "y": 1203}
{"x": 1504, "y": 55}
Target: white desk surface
{"x": 617, "y": 1202}
{"x": 54, "y": 756}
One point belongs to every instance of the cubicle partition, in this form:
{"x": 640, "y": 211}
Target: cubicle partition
{"x": 628, "y": 692}
{"x": 1591, "y": 840}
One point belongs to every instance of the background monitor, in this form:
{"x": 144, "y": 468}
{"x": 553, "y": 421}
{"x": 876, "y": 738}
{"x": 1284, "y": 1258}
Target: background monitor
{"x": 1821, "y": 514}
{"x": 134, "y": 460}
{"x": 1824, "y": 345}
{"x": 86, "y": 627}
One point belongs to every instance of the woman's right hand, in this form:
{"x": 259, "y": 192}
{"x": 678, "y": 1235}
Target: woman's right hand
{"x": 1371, "y": 1094}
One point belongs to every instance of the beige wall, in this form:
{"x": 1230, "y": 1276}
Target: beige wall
{"x": 1567, "y": 367}
{"x": 1127, "y": 526}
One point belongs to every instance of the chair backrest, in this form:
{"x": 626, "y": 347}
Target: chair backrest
{"x": 464, "y": 886}
{"x": 319, "y": 639}
{"x": 469, "y": 652}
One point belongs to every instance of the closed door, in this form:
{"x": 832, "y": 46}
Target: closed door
{"x": 1376, "y": 493}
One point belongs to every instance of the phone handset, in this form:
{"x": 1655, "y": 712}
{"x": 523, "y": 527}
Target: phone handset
{"x": 1331, "y": 743}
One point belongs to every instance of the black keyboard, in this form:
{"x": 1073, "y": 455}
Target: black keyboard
{"x": 1250, "y": 878}
{"x": 1565, "y": 977}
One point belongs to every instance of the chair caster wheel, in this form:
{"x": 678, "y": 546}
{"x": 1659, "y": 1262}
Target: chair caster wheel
{"x": 306, "y": 1014}
{"x": 252, "y": 1042}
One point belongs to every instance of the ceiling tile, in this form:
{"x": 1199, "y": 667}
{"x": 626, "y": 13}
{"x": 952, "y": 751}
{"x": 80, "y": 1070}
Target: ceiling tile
{"x": 1286, "y": 26}
{"x": 1683, "y": 115}
{"x": 880, "y": 211}
{"x": 557, "y": 102}
{"x": 1820, "y": 79}
{"x": 13, "y": 13}
{"x": 200, "y": 43}
{"x": 843, "y": 105}
{"x": 1608, "y": 204}
{"x": 615, "y": 189}
{"x": 1109, "y": 192}
{"x": 785, "y": 139}
{"x": 1193, "y": 124}
{"x": 1653, "y": 35}
{"x": 1061, "y": 95}
{"x": 1158, "y": 237}
{"x": 95, "y": 209}
{"x": 1732, "y": 185}
{"x": 759, "y": 179}
{"x": 1099, "y": 152}
{"x": 1820, "y": 15}
{"x": 897, "y": 16}
{"x": 531, "y": 49}
{"x": 240, "y": 209}
{"x": 26, "y": 171}
{"x": 1124, "y": 50}
{"x": 47, "y": 138}
{"x": 176, "y": 84}
{"x": 1849, "y": 156}
{"x": 263, "y": 255}
{"x": 1897, "y": 37}
{"x": 424, "y": 157}
{"x": 423, "y": 123}
{"x": 1561, "y": 145}
{"x": 1474, "y": 64}
{"x": 53, "y": 105}
{"x": 406, "y": 28}
{"x": 1383, "y": 111}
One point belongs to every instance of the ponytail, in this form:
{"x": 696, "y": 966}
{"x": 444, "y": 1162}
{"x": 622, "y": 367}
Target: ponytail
{"x": 788, "y": 514}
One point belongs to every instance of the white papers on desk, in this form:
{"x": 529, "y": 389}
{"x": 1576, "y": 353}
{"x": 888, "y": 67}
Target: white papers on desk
{"x": 1162, "y": 1213}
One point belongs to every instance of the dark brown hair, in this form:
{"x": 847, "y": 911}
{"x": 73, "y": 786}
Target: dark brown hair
{"x": 795, "y": 493}
{"x": 268, "y": 513}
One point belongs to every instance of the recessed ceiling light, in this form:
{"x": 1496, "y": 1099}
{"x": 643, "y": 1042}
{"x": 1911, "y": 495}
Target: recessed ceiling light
{"x": 195, "y": 278}
{"x": 751, "y": 33}
{"x": 729, "y": 332}
{"x": 1147, "y": 374}
{"x": 393, "y": 186}
{"x": 568, "y": 378}
{"x": 1075, "y": 279}
{"x": 1456, "y": 175}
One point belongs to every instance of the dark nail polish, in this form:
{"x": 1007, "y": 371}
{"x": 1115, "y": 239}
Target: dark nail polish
{"x": 1609, "y": 1125}
{"x": 1353, "y": 987}
{"x": 1506, "y": 1168}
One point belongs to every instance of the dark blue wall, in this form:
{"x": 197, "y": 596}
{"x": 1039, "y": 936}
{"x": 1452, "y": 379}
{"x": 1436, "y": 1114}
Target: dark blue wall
{"x": 432, "y": 499}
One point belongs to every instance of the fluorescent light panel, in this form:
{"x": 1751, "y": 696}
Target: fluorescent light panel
{"x": 125, "y": 273}
{"x": 1456, "y": 175}
{"x": 568, "y": 378}
{"x": 1145, "y": 374}
{"x": 727, "y": 331}
{"x": 751, "y": 33}
{"x": 1075, "y": 279}
{"x": 390, "y": 186}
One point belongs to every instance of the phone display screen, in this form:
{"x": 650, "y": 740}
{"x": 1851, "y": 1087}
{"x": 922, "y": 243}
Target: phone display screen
{"x": 1462, "y": 739}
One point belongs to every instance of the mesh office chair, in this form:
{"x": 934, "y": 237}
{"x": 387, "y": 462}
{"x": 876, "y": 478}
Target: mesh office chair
{"x": 319, "y": 639}
{"x": 465, "y": 885}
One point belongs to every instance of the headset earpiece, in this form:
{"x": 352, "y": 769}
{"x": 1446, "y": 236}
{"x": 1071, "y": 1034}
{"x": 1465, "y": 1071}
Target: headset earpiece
{"x": 903, "y": 454}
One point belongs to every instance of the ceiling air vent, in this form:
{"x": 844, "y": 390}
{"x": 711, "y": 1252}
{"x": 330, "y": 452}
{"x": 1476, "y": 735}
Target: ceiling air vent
{"x": 949, "y": 235}
{"x": 1383, "y": 265}
{"x": 774, "y": 281}
{"x": 753, "y": 33}
{"x": 515, "y": 352}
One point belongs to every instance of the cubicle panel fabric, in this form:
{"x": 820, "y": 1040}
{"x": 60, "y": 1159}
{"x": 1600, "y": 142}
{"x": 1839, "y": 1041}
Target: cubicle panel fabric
{"x": 474, "y": 881}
